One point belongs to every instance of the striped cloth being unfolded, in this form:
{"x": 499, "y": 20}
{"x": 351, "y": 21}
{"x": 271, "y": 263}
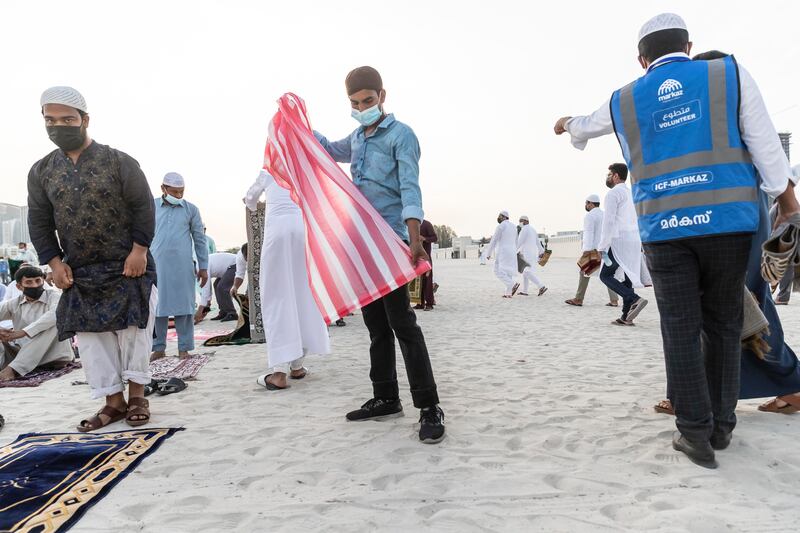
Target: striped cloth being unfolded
{"x": 353, "y": 255}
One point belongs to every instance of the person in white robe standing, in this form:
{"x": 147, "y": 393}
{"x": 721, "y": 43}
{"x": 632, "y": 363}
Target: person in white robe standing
{"x": 503, "y": 247}
{"x": 621, "y": 245}
{"x": 293, "y": 323}
{"x": 592, "y": 229}
{"x": 531, "y": 249}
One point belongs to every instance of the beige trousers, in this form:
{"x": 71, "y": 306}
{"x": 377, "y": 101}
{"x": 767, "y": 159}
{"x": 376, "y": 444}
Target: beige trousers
{"x": 42, "y": 349}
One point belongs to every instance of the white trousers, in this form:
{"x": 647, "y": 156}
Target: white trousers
{"x": 506, "y": 272}
{"x": 528, "y": 276}
{"x": 111, "y": 358}
{"x": 297, "y": 364}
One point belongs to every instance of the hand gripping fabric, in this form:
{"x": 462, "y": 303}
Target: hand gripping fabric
{"x": 781, "y": 251}
{"x": 353, "y": 256}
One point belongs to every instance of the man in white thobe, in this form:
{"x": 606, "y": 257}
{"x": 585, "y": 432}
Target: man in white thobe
{"x": 592, "y": 229}
{"x": 531, "y": 249}
{"x": 621, "y": 245}
{"x": 503, "y": 247}
{"x": 32, "y": 341}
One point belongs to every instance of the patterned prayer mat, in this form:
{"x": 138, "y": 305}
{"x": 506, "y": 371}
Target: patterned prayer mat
{"x": 173, "y": 367}
{"x": 49, "y": 480}
{"x": 255, "y": 240}
{"x": 242, "y": 331}
{"x": 36, "y": 378}
{"x": 198, "y": 335}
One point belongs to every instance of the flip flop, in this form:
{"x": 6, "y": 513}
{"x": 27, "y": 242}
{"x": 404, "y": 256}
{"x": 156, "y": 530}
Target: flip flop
{"x": 153, "y": 386}
{"x": 609, "y": 304}
{"x": 90, "y": 424}
{"x": 515, "y": 289}
{"x": 620, "y": 322}
{"x": 262, "y": 380}
{"x": 171, "y": 386}
{"x": 664, "y": 407}
{"x": 573, "y": 301}
{"x": 305, "y": 373}
{"x": 542, "y": 291}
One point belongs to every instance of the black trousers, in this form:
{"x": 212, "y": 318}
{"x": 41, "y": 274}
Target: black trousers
{"x": 391, "y": 317}
{"x": 222, "y": 290}
{"x": 623, "y": 288}
{"x": 699, "y": 286}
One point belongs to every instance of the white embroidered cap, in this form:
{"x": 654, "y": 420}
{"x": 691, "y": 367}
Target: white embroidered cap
{"x": 525, "y": 218}
{"x": 593, "y": 198}
{"x": 664, "y": 21}
{"x": 505, "y": 214}
{"x": 65, "y": 96}
{"x": 173, "y": 179}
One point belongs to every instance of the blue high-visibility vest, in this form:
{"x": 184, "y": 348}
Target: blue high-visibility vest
{"x": 691, "y": 174}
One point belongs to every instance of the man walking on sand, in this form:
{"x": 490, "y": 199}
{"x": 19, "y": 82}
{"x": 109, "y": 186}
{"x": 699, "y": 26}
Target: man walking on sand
{"x": 531, "y": 250}
{"x": 503, "y": 247}
{"x": 592, "y": 229}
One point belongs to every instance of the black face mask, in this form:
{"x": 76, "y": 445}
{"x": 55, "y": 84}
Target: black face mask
{"x": 33, "y": 292}
{"x": 68, "y": 138}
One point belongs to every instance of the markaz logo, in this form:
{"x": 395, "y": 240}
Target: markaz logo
{"x": 670, "y": 89}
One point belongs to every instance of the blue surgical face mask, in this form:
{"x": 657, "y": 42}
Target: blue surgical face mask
{"x": 174, "y": 201}
{"x": 368, "y": 117}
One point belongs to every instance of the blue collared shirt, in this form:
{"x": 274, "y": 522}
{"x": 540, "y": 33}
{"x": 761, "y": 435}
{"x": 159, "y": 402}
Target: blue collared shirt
{"x": 385, "y": 168}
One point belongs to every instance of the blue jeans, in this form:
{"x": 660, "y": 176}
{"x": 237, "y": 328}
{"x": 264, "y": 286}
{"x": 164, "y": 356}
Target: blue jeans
{"x": 623, "y": 288}
{"x": 184, "y": 325}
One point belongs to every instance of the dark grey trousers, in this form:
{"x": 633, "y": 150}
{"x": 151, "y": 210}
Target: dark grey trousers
{"x": 699, "y": 286}
{"x": 222, "y": 290}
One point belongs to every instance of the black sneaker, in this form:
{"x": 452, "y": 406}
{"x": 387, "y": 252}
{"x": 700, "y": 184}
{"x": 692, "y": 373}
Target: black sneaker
{"x": 376, "y": 409}
{"x": 431, "y": 425}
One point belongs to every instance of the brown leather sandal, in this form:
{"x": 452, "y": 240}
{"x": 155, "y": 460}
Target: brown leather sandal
{"x": 95, "y": 422}
{"x": 140, "y": 408}
{"x": 664, "y": 407}
{"x": 788, "y": 409}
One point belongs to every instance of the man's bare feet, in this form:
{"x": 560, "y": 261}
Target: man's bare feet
{"x": 782, "y": 403}
{"x": 278, "y": 379}
{"x": 183, "y": 354}
{"x": 155, "y": 356}
{"x": 8, "y": 374}
{"x": 300, "y": 373}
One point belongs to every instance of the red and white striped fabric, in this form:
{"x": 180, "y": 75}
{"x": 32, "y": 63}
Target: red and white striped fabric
{"x": 353, "y": 255}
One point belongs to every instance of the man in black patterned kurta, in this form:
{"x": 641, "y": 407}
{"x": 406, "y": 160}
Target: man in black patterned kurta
{"x": 91, "y": 219}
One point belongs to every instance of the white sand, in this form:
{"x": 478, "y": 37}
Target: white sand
{"x": 546, "y": 432}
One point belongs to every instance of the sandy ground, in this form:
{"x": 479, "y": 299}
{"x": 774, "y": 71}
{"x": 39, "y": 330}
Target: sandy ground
{"x": 549, "y": 419}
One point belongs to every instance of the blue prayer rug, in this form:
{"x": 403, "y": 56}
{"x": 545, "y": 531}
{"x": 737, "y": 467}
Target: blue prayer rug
{"x": 49, "y": 480}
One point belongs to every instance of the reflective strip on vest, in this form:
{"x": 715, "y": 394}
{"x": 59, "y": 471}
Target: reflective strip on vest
{"x": 686, "y": 191}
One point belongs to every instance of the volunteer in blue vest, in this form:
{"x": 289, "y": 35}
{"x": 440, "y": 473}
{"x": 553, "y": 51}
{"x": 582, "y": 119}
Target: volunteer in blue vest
{"x": 694, "y": 134}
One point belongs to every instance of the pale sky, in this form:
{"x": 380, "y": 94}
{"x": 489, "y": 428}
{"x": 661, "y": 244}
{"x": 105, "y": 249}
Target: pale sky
{"x": 190, "y": 87}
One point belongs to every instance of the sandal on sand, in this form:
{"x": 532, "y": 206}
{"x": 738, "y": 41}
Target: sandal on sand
{"x": 612, "y": 304}
{"x": 573, "y": 301}
{"x": 95, "y": 422}
{"x": 262, "y": 380}
{"x": 664, "y": 407}
{"x": 171, "y": 386}
{"x": 620, "y": 322}
{"x": 788, "y": 409}
{"x": 542, "y": 291}
{"x": 301, "y": 376}
{"x": 138, "y": 412}
{"x": 153, "y": 386}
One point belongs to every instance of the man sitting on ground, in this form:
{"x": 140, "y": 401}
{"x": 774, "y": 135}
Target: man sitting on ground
{"x": 32, "y": 343}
